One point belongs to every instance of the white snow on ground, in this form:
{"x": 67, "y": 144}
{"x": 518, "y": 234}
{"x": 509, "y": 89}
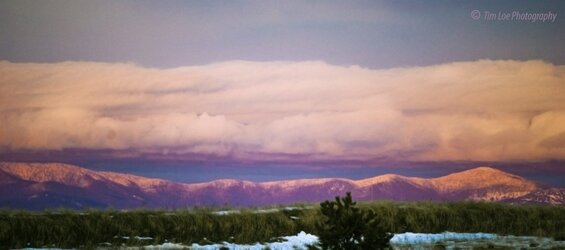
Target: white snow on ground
{"x": 136, "y": 237}
{"x": 402, "y": 241}
{"x": 449, "y": 240}
{"x": 143, "y": 238}
{"x": 419, "y": 238}
{"x": 259, "y": 211}
{"x": 299, "y": 241}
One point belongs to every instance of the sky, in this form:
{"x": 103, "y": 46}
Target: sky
{"x": 262, "y": 90}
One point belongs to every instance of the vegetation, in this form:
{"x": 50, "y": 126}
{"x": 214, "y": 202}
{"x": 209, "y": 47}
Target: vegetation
{"x": 344, "y": 226}
{"x": 95, "y": 228}
{"x": 499, "y": 218}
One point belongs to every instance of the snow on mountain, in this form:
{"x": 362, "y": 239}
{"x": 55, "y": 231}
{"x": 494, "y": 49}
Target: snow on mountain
{"x": 73, "y": 175}
{"x": 554, "y": 196}
{"x": 294, "y": 184}
{"x": 44, "y": 185}
{"x": 483, "y": 183}
{"x": 389, "y": 178}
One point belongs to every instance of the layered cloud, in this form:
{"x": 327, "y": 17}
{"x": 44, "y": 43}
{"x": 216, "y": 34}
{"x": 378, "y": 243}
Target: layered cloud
{"x": 291, "y": 111}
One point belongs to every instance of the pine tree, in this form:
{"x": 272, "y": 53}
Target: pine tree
{"x": 345, "y": 226}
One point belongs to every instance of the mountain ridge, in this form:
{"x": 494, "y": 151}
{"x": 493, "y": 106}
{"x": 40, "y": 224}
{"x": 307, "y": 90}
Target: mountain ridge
{"x": 48, "y": 185}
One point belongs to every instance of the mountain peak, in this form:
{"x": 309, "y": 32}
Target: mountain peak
{"x": 71, "y": 174}
{"x": 484, "y": 170}
{"x": 68, "y": 185}
{"x": 501, "y": 185}
{"x": 43, "y": 172}
{"x": 303, "y": 182}
{"x": 380, "y": 179}
{"x": 229, "y": 183}
{"x": 22, "y": 167}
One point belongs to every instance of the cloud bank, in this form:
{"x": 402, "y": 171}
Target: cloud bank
{"x": 292, "y": 111}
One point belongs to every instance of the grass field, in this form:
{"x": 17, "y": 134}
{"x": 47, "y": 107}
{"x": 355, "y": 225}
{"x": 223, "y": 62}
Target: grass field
{"x": 96, "y": 227}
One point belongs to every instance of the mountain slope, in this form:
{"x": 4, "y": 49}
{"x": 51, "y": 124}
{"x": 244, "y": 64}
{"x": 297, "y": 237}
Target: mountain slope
{"x": 554, "y": 196}
{"x": 482, "y": 183}
{"x": 40, "y": 186}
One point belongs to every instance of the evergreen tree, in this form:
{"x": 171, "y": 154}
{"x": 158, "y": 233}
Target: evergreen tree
{"x": 345, "y": 226}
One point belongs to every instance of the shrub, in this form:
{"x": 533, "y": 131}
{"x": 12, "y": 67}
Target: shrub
{"x": 344, "y": 226}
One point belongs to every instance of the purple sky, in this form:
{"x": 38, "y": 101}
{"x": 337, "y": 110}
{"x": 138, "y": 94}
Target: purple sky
{"x": 194, "y": 90}
{"x": 375, "y": 34}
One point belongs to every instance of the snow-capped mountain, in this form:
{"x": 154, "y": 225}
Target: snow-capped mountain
{"x": 555, "y": 196}
{"x": 483, "y": 183}
{"x": 39, "y": 186}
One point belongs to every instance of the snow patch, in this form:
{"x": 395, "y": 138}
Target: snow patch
{"x": 422, "y": 238}
{"x": 408, "y": 240}
{"x": 259, "y": 211}
{"x": 299, "y": 241}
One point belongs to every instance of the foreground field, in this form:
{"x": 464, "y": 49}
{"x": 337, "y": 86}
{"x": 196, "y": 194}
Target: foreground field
{"x": 87, "y": 229}
{"x": 403, "y": 241}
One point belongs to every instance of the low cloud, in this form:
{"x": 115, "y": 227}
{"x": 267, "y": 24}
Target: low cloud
{"x": 481, "y": 110}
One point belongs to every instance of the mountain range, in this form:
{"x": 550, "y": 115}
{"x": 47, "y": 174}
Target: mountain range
{"x": 38, "y": 186}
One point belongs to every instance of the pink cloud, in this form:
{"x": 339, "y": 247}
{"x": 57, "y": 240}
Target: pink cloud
{"x": 480, "y": 110}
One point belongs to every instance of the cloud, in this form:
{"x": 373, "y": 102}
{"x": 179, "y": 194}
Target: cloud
{"x": 295, "y": 111}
